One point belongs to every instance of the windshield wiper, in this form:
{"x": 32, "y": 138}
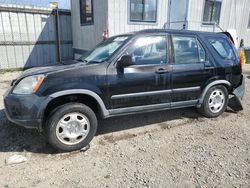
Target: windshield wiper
{"x": 83, "y": 61}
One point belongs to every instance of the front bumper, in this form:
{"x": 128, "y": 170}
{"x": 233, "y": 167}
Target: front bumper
{"x": 24, "y": 110}
{"x": 238, "y": 94}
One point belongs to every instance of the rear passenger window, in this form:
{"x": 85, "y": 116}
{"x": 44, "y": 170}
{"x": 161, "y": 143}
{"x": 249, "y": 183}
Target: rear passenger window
{"x": 222, "y": 47}
{"x": 188, "y": 50}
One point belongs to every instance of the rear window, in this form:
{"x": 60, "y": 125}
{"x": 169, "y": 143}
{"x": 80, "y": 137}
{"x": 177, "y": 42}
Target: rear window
{"x": 223, "y": 48}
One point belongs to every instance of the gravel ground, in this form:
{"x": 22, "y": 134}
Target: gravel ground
{"x": 176, "y": 148}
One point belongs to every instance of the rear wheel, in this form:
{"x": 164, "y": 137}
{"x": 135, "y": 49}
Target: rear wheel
{"x": 215, "y": 102}
{"x": 71, "y": 127}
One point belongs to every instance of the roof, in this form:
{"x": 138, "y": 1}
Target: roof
{"x": 173, "y": 31}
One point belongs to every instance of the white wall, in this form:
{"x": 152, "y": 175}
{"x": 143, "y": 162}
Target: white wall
{"x": 118, "y": 17}
{"x": 86, "y": 37}
{"x": 234, "y": 15}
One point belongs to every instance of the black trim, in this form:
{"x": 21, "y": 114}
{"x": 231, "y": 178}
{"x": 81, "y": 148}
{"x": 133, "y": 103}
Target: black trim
{"x": 141, "y": 94}
{"x": 188, "y": 89}
{"x": 143, "y": 108}
{"x": 152, "y": 108}
{"x": 171, "y": 49}
{"x": 150, "y": 93}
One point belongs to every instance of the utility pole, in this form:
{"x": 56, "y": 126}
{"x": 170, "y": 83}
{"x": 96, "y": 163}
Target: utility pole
{"x": 54, "y": 5}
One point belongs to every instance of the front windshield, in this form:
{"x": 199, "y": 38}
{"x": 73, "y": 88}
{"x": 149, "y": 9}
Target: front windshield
{"x": 104, "y": 50}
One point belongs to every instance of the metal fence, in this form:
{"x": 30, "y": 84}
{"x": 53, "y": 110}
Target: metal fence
{"x": 32, "y": 36}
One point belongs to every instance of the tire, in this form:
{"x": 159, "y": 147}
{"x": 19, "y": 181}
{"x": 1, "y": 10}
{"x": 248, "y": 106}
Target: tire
{"x": 71, "y": 127}
{"x": 211, "y": 107}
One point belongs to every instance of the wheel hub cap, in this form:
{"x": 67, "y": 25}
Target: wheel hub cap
{"x": 216, "y": 101}
{"x": 72, "y": 128}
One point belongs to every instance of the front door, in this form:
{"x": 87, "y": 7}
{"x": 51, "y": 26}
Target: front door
{"x": 146, "y": 83}
{"x": 191, "y": 69}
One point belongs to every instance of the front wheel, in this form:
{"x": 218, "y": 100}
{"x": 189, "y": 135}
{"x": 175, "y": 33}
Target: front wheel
{"x": 71, "y": 127}
{"x": 215, "y": 102}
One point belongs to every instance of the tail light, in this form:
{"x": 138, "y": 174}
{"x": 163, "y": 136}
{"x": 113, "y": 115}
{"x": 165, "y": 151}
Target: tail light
{"x": 242, "y": 58}
{"x": 105, "y": 35}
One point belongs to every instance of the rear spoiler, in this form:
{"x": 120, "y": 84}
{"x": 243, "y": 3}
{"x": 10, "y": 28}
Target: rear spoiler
{"x": 229, "y": 36}
{"x": 232, "y": 35}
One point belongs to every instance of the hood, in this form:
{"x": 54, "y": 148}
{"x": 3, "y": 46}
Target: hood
{"x": 55, "y": 68}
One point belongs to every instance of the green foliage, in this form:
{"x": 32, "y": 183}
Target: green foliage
{"x": 2, "y": 71}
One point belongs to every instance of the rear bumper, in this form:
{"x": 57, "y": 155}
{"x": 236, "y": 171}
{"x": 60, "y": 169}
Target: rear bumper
{"x": 239, "y": 92}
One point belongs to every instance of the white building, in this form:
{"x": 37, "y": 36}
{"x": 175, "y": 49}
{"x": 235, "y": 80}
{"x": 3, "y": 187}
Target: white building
{"x": 90, "y": 18}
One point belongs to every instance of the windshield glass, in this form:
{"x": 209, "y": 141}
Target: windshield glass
{"x": 104, "y": 50}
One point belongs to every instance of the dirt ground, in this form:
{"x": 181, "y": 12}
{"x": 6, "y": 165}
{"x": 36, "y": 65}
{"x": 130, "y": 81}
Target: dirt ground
{"x": 163, "y": 149}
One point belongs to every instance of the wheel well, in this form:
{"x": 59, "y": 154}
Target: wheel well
{"x": 229, "y": 89}
{"x": 79, "y": 98}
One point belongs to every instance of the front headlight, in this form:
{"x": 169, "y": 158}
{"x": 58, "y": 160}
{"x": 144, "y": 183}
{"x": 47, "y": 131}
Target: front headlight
{"x": 29, "y": 84}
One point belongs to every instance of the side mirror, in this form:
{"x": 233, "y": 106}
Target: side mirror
{"x": 125, "y": 61}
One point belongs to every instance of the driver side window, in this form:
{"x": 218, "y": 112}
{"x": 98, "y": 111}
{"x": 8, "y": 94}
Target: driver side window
{"x": 148, "y": 50}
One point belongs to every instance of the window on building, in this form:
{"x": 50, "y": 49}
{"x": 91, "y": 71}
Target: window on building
{"x": 188, "y": 50}
{"x": 143, "y": 10}
{"x": 212, "y": 11}
{"x": 86, "y": 12}
{"x": 148, "y": 50}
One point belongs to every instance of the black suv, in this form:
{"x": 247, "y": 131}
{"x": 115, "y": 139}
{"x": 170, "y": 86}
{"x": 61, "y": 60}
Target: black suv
{"x": 132, "y": 73}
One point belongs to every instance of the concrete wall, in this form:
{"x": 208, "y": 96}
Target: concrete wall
{"x": 28, "y": 36}
{"x": 118, "y": 17}
{"x": 234, "y": 15}
{"x": 87, "y": 36}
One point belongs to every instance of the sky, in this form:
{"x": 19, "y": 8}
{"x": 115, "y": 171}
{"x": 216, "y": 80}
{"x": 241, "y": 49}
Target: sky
{"x": 63, "y": 4}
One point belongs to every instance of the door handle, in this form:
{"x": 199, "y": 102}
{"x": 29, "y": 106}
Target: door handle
{"x": 208, "y": 68}
{"x": 162, "y": 70}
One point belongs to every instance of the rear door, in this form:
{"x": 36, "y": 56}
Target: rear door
{"x": 191, "y": 69}
{"x": 226, "y": 57}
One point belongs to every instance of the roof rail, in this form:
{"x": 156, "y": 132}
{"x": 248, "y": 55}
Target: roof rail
{"x": 194, "y": 25}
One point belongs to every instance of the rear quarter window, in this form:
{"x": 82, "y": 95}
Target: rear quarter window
{"x": 223, "y": 48}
